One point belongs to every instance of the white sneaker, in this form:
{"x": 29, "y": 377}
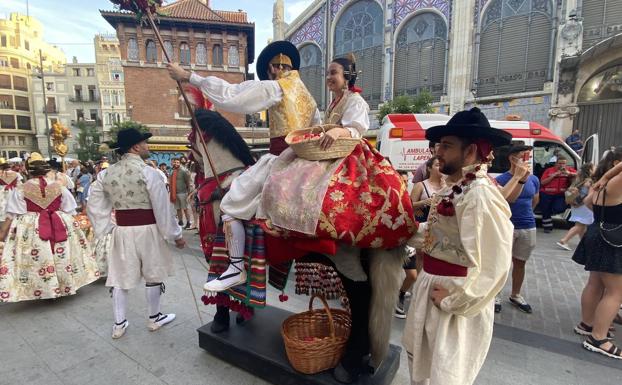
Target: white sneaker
{"x": 159, "y": 321}
{"x": 563, "y": 246}
{"x": 119, "y": 330}
{"x": 225, "y": 281}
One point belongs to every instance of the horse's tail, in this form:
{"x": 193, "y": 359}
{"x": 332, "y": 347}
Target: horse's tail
{"x": 386, "y": 275}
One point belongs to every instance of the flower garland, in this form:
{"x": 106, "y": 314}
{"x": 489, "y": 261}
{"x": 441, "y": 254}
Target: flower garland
{"x": 446, "y": 206}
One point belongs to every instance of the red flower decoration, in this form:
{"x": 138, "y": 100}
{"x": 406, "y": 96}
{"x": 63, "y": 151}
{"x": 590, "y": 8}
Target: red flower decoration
{"x": 283, "y": 297}
{"x": 34, "y": 252}
{"x": 456, "y": 189}
{"x": 67, "y": 289}
{"x": 60, "y": 250}
{"x": 446, "y": 208}
{"x": 50, "y": 269}
{"x": 68, "y": 268}
{"x": 37, "y": 293}
{"x": 42, "y": 271}
{"x": 469, "y": 176}
{"x": 57, "y": 290}
{"x": 4, "y": 294}
{"x": 4, "y": 270}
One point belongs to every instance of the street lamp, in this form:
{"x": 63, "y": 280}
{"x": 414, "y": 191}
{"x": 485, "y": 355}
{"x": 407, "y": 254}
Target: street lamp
{"x": 45, "y": 106}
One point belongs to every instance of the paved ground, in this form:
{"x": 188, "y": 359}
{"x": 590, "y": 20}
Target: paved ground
{"x": 67, "y": 341}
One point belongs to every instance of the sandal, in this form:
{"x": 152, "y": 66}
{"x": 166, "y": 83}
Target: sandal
{"x": 585, "y": 330}
{"x": 595, "y": 345}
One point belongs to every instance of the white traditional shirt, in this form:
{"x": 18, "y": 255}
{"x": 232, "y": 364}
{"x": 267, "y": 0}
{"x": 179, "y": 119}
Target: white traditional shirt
{"x": 479, "y": 237}
{"x": 247, "y": 97}
{"x": 101, "y": 205}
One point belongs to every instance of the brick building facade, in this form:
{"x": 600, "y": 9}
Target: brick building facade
{"x": 207, "y": 41}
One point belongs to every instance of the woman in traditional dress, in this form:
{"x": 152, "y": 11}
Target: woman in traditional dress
{"x": 9, "y": 179}
{"x": 46, "y": 255}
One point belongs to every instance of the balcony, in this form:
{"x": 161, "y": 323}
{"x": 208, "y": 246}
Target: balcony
{"x": 88, "y": 122}
{"x": 82, "y": 99}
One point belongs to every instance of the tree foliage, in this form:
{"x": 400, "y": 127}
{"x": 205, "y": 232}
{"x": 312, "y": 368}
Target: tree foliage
{"x": 88, "y": 142}
{"x": 118, "y": 126}
{"x": 406, "y": 104}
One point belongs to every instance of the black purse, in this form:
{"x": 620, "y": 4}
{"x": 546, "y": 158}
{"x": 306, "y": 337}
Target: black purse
{"x": 610, "y": 232}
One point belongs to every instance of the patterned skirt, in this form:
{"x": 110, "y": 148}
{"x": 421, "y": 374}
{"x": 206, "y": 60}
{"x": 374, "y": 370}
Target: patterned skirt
{"x": 101, "y": 248}
{"x": 32, "y": 268}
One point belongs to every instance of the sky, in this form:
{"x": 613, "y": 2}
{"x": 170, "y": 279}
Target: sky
{"x": 72, "y": 24}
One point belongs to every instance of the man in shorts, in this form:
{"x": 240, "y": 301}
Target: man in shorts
{"x": 521, "y": 189}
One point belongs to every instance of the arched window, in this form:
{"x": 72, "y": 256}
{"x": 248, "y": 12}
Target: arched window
{"x": 359, "y": 30}
{"x": 311, "y": 71}
{"x": 233, "y": 56}
{"x": 168, "y": 47}
{"x": 601, "y": 19}
{"x": 217, "y": 55}
{"x": 184, "y": 53}
{"x": 152, "y": 52}
{"x": 201, "y": 54}
{"x": 515, "y": 48}
{"x": 132, "y": 49}
{"x": 420, "y": 54}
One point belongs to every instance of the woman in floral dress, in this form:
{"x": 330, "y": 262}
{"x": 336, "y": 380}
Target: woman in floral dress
{"x": 45, "y": 255}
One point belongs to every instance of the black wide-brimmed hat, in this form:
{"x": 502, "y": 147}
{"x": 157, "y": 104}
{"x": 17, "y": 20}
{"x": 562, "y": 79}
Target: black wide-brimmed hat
{"x": 469, "y": 124}
{"x": 129, "y": 137}
{"x": 273, "y": 49}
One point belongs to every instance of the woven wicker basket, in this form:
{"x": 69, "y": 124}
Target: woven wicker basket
{"x": 315, "y": 340}
{"x": 310, "y": 149}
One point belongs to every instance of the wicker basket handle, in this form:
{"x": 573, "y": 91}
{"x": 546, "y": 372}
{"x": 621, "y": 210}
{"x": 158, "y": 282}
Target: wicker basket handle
{"x": 331, "y": 322}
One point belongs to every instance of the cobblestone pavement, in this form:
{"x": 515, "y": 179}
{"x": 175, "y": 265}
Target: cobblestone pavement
{"x": 67, "y": 341}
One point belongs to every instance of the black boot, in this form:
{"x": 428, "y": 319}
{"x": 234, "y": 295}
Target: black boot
{"x": 354, "y": 361}
{"x": 221, "y": 320}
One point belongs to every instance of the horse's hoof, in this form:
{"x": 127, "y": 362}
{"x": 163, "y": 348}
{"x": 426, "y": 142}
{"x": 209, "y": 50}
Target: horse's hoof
{"x": 342, "y": 375}
{"x": 239, "y": 319}
{"x": 218, "y": 327}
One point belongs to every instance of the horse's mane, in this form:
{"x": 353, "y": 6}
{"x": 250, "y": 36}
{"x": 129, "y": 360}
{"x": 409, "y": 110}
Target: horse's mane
{"x": 222, "y": 131}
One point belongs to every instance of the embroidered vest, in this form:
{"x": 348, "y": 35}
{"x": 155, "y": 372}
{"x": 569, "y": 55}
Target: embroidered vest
{"x": 333, "y": 115}
{"x": 125, "y": 184}
{"x": 296, "y": 108}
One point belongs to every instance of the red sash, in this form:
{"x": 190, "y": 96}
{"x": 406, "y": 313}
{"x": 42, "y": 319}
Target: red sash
{"x": 436, "y": 266}
{"x": 51, "y": 227}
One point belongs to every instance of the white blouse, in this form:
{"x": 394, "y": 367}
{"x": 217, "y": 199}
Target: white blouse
{"x": 16, "y": 204}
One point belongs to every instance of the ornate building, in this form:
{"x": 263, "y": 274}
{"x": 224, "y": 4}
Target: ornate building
{"x": 208, "y": 41}
{"x": 556, "y": 62}
{"x": 109, "y": 74}
{"x": 21, "y": 46}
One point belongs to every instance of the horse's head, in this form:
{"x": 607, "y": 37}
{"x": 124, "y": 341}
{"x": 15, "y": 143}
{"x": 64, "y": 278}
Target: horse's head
{"x": 221, "y": 140}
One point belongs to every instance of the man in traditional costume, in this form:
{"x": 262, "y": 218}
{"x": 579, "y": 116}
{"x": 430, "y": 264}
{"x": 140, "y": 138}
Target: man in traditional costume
{"x": 145, "y": 222}
{"x": 290, "y": 106}
{"x": 467, "y": 246}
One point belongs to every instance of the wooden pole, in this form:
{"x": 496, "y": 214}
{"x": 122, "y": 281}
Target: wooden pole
{"x": 193, "y": 118}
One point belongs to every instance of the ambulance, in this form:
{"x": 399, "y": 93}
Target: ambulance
{"x": 401, "y": 139}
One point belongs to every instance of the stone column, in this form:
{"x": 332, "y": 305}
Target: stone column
{"x": 460, "y": 60}
{"x": 387, "y": 73}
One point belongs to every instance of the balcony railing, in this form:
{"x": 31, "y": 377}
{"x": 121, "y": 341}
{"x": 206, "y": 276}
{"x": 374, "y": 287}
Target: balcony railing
{"x": 88, "y": 122}
{"x": 82, "y": 99}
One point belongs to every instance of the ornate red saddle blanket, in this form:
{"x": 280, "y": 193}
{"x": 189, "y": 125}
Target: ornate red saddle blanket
{"x": 366, "y": 204}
